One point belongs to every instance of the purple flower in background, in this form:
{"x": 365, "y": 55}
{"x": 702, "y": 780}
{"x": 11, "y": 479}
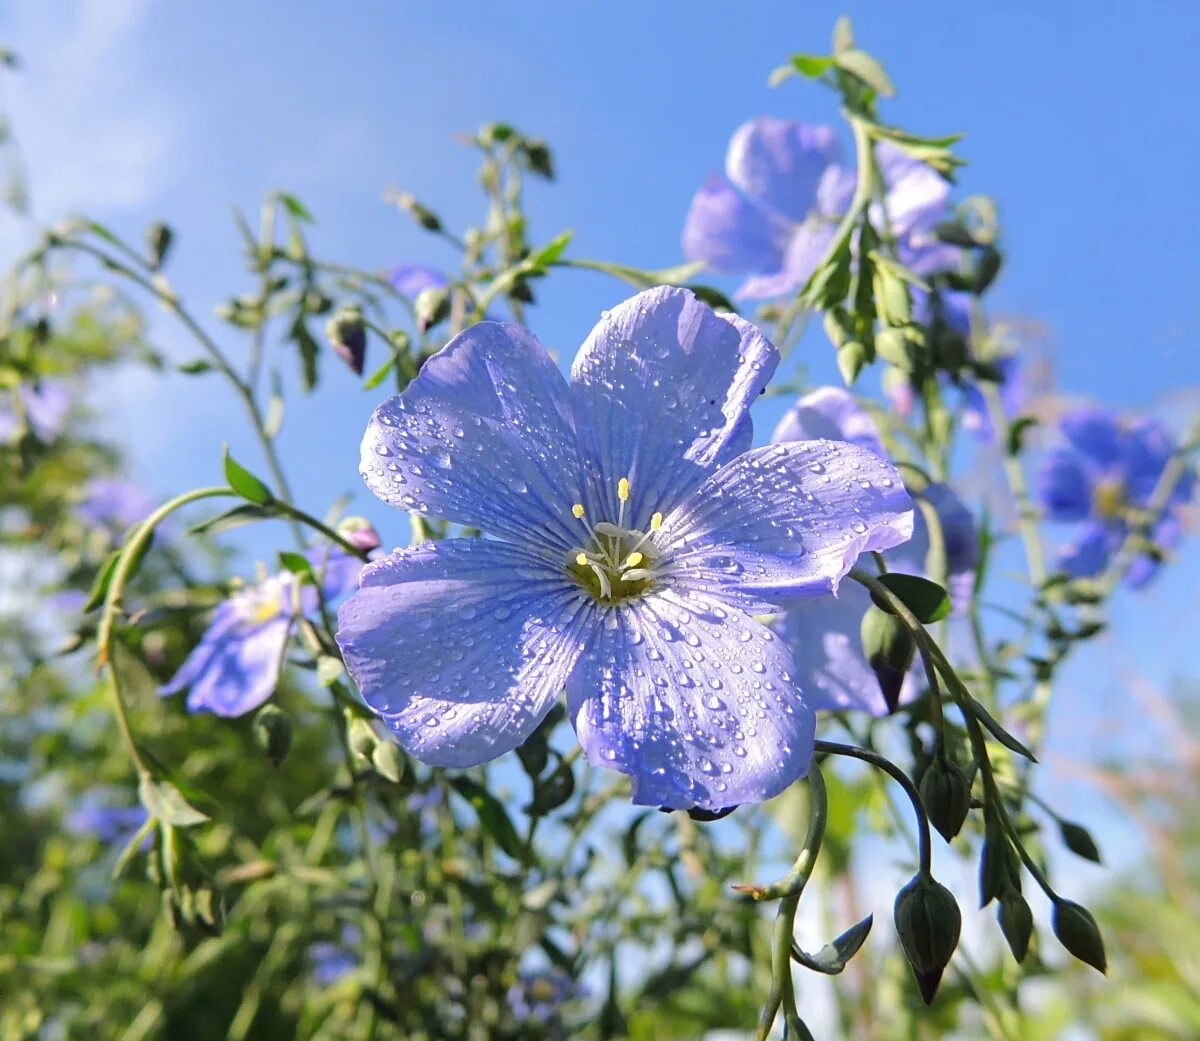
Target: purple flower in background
{"x": 413, "y": 279}
{"x": 235, "y": 666}
{"x": 96, "y": 815}
{"x": 332, "y": 962}
{"x": 45, "y": 407}
{"x": 975, "y": 415}
{"x": 823, "y": 632}
{"x": 1108, "y": 468}
{"x": 636, "y": 533}
{"x": 538, "y": 997}
{"x": 774, "y": 211}
{"x": 114, "y": 504}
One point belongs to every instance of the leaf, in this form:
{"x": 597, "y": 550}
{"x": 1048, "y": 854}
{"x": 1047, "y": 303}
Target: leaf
{"x": 639, "y": 278}
{"x": 165, "y": 802}
{"x": 274, "y": 418}
{"x": 492, "y": 815}
{"x": 196, "y": 366}
{"x": 810, "y": 65}
{"x": 865, "y": 68}
{"x": 1016, "y": 432}
{"x": 715, "y": 299}
{"x": 997, "y": 731}
{"x": 133, "y": 679}
{"x": 238, "y": 517}
{"x": 834, "y": 957}
{"x": 843, "y": 34}
{"x": 295, "y": 207}
{"x": 329, "y": 670}
{"x": 244, "y": 482}
{"x": 550, "y": 252}
{"x": 927, "y": 600}
{"x": 380, "y": 374}
{"x": 296, "y": 563}
{"x": 101, "y": 582}
{"x": 309, "y": 348}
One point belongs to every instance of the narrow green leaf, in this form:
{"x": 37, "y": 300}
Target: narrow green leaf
{"x": 101, "y": 582}
{"x": 244, "y": 482}
{"x": 1079, "y": 841}
{"x": 308, "y": 347}
{"x": 380, "y": 374}
{"x": 863, "y": 67}
{"x": 492, "y": 815}
{"x": 835, "y": 956}
{"x": 196, "y": 366}
{"x": 238, "y": 517}
{"x": 165, "y": 802}
{"x": 295, "y": 207}
{"x": 550, "y": 252}
{"x": 998, "y": 732}
{"x": 296, "y": 563}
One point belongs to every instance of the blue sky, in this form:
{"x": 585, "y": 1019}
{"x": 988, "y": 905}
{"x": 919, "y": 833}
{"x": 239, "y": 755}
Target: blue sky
{"x": 1079, "y": 123}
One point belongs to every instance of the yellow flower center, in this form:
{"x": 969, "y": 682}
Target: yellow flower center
{"x": 1108, "y": 499}
{"x": 616, "y": 562}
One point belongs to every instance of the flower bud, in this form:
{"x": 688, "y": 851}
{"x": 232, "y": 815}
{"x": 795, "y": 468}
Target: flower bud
{"x": 431, "y": 307}
{"x": 1016, "y": 922}
{"x": 928, "y": 923}
{"x": 1078, "y": 932}
{"x": 273, "y": 732}
{"x": 422, "y": 214}
{"x": 852, "y": 357}
{"x": 158, "y": 238}
{"x": 538, "y": 156}
{"x": 360, "y": 735}
{"x": 946, "y": 795}
{"x": 889, "y": 649}
{"x": 893, "y": 347}
{"x": 839, "y": 326}
{"x": 348, "y": 337}
{"x": 360, "y": 533}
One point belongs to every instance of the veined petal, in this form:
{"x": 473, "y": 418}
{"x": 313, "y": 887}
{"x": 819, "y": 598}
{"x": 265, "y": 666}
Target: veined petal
{"x": 1095, "y": 433}
{"x": 1091, "y": 551}
{"x": 483, "y": 436}
{"x": 237, "y": 669}
{"x": 462, "y": 646}
{"x": 780, "y": 163}
{"x": 785, "y": 521}
{"x": 805, "y": 250}
{"x": 830, "y": 413}
{"x": 413, "y": 279}
{"x": 695, "y": 701}
{"x": 662, "y": 390}
{"x": 1064, "y": 486}
{"x": 731, "y": 234}
{"x": 916, "y": 195}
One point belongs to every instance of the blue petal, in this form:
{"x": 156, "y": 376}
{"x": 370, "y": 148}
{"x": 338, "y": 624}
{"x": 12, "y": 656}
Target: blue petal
{"x": 1095, "y": 433}
{"x": 1145, "y": 449}
{"x": 1090, "y": 553}
{"x": 780, "y": 163}
{"x": 224, "y": 625}
{"x": 696, "y": 702}
{"x": 916, "y": 196}
{"x": 1167, "y": 535}
{"x": 785, "y": 521}
{"x": 1064, "y": 486}
{"x": 662, "y": 390}
{"x": 241, "y": 671}
{"x": 830, "y": 413}
{"x": 805, "y": 250}
{"x": 414, "y": 279}
{"x": 959, "y": 534}
{"x": 463, "y": 646}
{"x": 483, "y": 436}
{"x": 731, "y": 234}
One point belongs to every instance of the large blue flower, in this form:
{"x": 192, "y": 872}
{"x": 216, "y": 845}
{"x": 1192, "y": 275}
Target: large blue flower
{"x": 823, "y": 632}
{"x": 1107, "y": 469}
{"x": 773, "y": 214}
{"x": 235, "y": 666}
{"x": 636, "y": 532}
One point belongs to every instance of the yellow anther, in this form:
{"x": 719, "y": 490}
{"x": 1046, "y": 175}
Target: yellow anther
{"x": 634, "y": 559}
{"x": 656, "y": 522}
{"x": 578, "y": 511}
{"x": 623, "y": 489}
{"x": 581, "y": 559}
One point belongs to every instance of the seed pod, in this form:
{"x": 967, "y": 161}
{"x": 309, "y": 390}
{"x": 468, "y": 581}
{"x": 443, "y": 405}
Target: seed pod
{"x": 946, "y": 794}
{"x": 928, "y": 922}
{"x": 889, "y": 649}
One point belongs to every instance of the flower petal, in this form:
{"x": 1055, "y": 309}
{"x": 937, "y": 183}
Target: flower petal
{"x": 916, "y": 195}
{"x": 696, "y": 702}
{"x": 1064, "y": 486}
{"x": 483, "y": 436}
{"x": 731, "y": 234}
{"x": 413, "y": 279}
{"x": 1095, "y": 433}
{"x": 805, "y": 250}
{"x": 780, "y": 163}
{"x": 237, "y": 668}
{"x": 1168, "y": 533}
{"x": 662, "y": 390}
{"x": 462, "y": 646}
{"x": 1090, "y": 553}
{"x": 786, "y": 520}
{"x": 831, "y": 413}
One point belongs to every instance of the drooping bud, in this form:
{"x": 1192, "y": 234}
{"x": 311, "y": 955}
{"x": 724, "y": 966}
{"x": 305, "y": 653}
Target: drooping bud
{"x": 360, "y": 533}
{"x": 273, "y": 732}
{"x": 946, "y": 795}
{"x": 1016, "y": 921}
{"x": 431, "y": 307}
{"x": 852, "y": 357}
{"x": 158, "y": 238}
{"x": 1078, "y": 932}
{"x": 889, "y": 649}
{"x": 421, "y": 213}
{"x": 928, "y": 922}
{"x": 348, "y": 337}
{"x": 893, "y": 347}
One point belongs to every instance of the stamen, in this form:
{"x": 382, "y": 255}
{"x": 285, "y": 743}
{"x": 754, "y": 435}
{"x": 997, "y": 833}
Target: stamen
{"x": 634, "y": 559}
{"x": 582, "y": 559}
{"x": 637, "y": 574}
{"x": 623, "y": 489}
{"x": 656, "y": 522}
{"x": 578, "y": 511}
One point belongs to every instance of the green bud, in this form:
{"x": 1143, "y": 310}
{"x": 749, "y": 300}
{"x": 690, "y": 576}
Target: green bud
{"x": 928, "y": 922}
{"x": 839, "y": 326}
{"x": 158, "y": 238}
{"x": 946, "y": 795}
{"x": 1078, "y": 839}
{"x": 420, "y": 213}
{"x": 1016, "y": 922}
{"x": 431, "y": 307}
{"x": 893, "y": 347}
{"x": 361, "y": 735}
{"x": 891, "y": 298}
{"x": 889, "y": 649}
{"x": 986, "y": 270}
{"x": 273, "y": 732}
{"x": 539, "y": 159}
{"x": 852, "y": 357}
{"x": 1078, "y": 932}
{"x": 388, "y": 761}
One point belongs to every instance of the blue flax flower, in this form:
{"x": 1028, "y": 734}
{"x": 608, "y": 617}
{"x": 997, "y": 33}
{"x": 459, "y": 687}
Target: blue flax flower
{"x": 636, "y": 533}
{"x": 773, "y": 213}
{"x": 114, "y": 505}
{"x": 823, "y": 632}
{"x": 1108, "y": 469}
{"x": 235, "y": 666}
{"x": 537, "y": 998}
{"x": 98, "y": 815}
{"x": 44, "y": 406}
